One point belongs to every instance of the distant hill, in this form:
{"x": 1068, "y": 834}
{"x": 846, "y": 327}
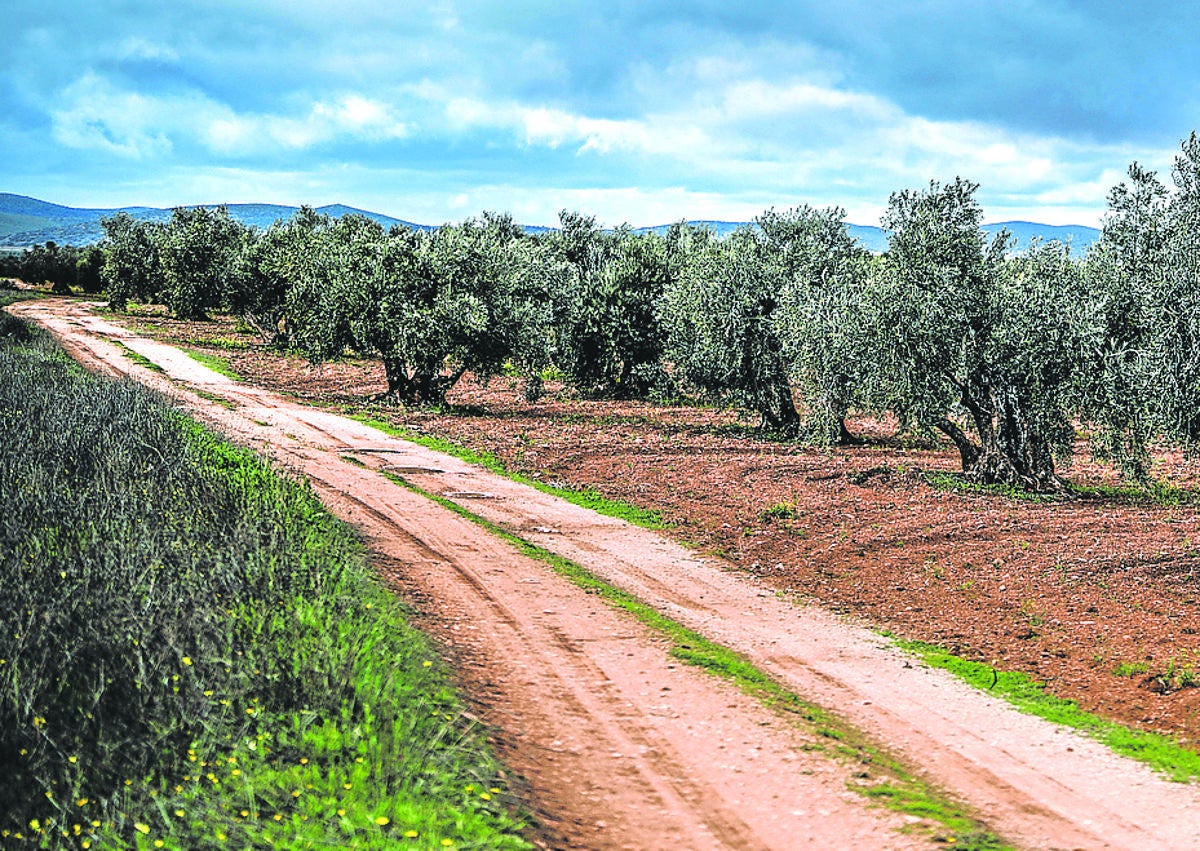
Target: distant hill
{"x": 722, "y": 229}
{"x": 27, "y": 221}
{"x": 874, "y": 238}
{"x": 1079, "y": 237}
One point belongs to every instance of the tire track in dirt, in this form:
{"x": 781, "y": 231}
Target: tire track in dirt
{"x": 1039, "y": 785}
{"x": 621, "y": 746}
{"x": 657, "y": 778}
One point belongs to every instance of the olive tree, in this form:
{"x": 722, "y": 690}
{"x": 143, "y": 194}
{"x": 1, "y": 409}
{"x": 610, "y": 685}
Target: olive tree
{"x": 431, "y": 305}
{"x": 51, "y": 263}
{"x": 609, "y": 338}
{"x": 200, "y": 250}
{"x": 722, "y": 332}
{"x": 269, "y": 266}
{"x": 1177, "y": 305}
{"x": 969, "y": 345}
{"x": 490, "y": 289}
{"x": 87, "y": 269}
{"x": 821, "y": 271}
{"x": 1143, "y": 377}
{"x": 132, "y": 268}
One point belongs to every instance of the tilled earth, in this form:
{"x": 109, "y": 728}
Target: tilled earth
{"x": 1096, "y": 597}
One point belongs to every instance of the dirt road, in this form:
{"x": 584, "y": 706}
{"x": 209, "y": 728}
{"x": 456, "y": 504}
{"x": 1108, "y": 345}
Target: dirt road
{"x": 624, "y": 747}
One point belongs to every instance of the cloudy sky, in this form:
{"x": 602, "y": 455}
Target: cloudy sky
{"x": 640, "y": 111}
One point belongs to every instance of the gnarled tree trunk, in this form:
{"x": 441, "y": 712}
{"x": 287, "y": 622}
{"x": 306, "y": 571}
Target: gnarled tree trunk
{"x": 418, "y": 385}
{"x": 1011, "y": 449}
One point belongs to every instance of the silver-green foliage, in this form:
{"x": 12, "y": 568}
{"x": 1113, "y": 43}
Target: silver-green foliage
{"x": 200, "y": 251}
{"x": 973, "y": 345}
{"x": 270, "y": 265}
{"x": 431, "y": 305}
{"x": 820, "y": 315}
{"x": 1143, "y": 372}
{"x": 774, "y": 307}
{"x": 608, "y": 335}
{"x": 132, "y": 268}
{"x": 722, "y": 328}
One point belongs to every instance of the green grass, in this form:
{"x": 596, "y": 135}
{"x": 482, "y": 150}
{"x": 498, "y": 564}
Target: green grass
{"x": 1130, "y": 669}
{"x": 1028, "y": 695}
{"x": 958, "y": 482}
{"x": 193, "y": 652}
{"x": 140, "y": 360}
{"x": 1150, "y": 493}
{"x": 902, "y": 790}
{"x": 216, "y": 363}
{"x": 216, "y": 399}
{"x": 226, "y": 343}
{"x": 588, "y": 498}
{"x": 8, "y": 296}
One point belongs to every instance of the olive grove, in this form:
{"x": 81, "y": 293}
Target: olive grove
{"x": 1002, "y": 354}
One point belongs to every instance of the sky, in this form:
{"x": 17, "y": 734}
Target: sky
{"x": 643, "y": 112}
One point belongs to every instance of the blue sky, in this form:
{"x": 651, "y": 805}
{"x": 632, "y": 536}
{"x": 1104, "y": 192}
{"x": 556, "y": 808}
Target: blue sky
{"x": 645, "y": 112}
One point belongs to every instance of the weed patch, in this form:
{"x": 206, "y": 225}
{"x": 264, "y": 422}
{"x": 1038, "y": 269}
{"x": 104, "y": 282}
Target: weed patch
{"x": 140, "y": 360}
{"x": 195, "y": 654}
{"x": 1030, "y": 696}
{"x": 217, "y": 364}
{"x": 1151, "y": 493}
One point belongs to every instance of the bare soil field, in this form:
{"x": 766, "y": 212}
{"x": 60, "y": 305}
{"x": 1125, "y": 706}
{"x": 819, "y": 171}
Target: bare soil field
{"x": 1098, "y": 598}
{"x": 1095, "y": 597}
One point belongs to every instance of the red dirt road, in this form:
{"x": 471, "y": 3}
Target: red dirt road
{"x": 622, "y": 747}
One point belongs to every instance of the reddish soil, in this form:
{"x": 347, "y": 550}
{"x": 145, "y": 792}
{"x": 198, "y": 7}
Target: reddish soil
{"x": 1100, "y": 599}
{"x": 1066, "y": 591}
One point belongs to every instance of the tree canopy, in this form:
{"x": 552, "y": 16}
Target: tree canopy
{"x": 1004, "y": 354}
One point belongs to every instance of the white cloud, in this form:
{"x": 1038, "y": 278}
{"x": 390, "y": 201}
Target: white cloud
{"x": 543, "y": 126}
{"x": 135, "y": 47}
{"x": 755, "y": 142}
{"x": 753, "y": 98}
{"x": 717, "y": 145}
{"x": 351, "y": 116}
{"x": 97, "y": 115}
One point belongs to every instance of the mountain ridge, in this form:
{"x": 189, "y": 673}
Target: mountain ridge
{"x": 27, "y": 221}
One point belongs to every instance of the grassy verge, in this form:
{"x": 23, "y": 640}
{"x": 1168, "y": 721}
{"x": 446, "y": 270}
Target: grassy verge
{"x": 1030, "y": 696}
{"x": 590, "y": 498}
{"x": 139, "y": 359}
{"x": 195, "y": 655}
{"x": 217, "y": 364}
{"x": 880, "y": 777}
{"x": 8, "y": 296}
{"x": 1150, "y": 493}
